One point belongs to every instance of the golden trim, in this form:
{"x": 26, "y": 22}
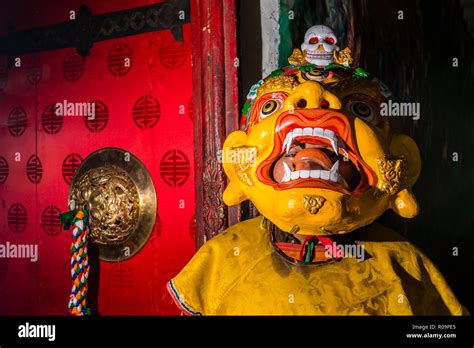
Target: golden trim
{"x": 297, "y": 57}
{"x": 343, "y": 57}
{"x": 242, "y": 158}
{"x": 393, "y": 174}
{"x": 313, "y": 203}
{"x": 277, "y": 84}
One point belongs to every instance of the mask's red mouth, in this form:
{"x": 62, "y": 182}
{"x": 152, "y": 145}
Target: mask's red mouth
{"x": 314, "y": 148}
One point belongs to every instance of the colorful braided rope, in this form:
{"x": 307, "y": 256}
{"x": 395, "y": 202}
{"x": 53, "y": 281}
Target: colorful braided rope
{"x": 79, "y": 260}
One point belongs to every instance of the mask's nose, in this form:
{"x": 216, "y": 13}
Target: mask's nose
{"x": 310, "y": 95}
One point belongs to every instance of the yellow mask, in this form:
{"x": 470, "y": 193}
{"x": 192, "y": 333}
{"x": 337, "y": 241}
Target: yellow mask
{"x": 315, "y": 157}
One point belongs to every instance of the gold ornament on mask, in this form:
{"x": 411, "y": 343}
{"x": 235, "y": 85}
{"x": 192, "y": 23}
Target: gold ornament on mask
{"x": 277, "y": 83}
{"x": 392, "y": 172}
{"x": 343, "y": 57}
{"x": 313, "y": 203}
{"x": 297, "y": 57}
{"x": 242, "y": 158}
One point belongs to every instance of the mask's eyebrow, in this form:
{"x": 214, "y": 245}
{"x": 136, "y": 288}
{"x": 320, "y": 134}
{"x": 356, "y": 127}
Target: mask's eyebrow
{"x": 278, "y": 84}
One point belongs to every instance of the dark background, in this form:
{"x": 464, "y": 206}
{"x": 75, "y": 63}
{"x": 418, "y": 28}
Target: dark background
{"x": 414, "y": 58}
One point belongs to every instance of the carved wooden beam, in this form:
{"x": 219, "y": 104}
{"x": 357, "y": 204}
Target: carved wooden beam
{"x": 86, "y": 28}
{"x": 216, "y": 104}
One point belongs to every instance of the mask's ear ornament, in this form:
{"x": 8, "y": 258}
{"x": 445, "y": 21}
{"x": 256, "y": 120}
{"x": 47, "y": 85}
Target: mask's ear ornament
{"x": 343, "y": 57}
{"x": 237, "y": 161}
{"x": 297, "y": 57}
{"x": 399, "y": 173}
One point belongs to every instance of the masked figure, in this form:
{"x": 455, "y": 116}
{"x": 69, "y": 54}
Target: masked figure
{"x": 321, "y": 165}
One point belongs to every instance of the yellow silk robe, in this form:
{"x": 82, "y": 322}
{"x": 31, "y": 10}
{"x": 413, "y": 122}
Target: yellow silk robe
{"x": 239, "y": 272}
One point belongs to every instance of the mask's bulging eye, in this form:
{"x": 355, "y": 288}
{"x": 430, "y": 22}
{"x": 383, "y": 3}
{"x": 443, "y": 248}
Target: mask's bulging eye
{"x": 363, "y": 107}
{"x": 363, "y": 110}
{"x": 269, "y": 108}
{"x": 313, "y": 40}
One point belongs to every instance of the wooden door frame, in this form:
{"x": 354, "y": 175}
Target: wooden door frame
{"x": 215, "y": 90}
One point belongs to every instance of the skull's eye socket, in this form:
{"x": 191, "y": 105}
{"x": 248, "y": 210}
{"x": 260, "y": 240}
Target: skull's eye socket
{"x": 313, "y": 40}
{"x": 269, "y": 108}
{"x": 329, "y": 40}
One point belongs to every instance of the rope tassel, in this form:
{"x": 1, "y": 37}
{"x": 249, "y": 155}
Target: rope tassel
{"x": 79, "y": 260}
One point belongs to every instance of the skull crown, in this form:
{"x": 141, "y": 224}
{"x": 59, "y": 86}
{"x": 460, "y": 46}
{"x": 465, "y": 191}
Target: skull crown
{"x": 319, "y": 45}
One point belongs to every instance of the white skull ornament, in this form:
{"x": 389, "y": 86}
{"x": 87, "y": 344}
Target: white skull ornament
{"x": 319, "y": 44}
